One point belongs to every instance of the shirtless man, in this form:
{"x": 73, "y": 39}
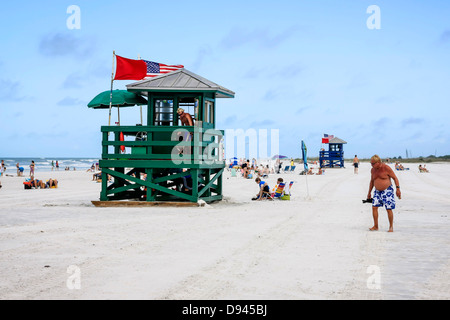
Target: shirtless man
{"x": 186, "y": 118}
{"x": 381, "y": 176}
{"x": 355, "y": 164}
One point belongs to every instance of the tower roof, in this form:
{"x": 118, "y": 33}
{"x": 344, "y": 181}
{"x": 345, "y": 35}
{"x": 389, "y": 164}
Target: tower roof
{"x": 337, "y": 140}
{"x": 180, "y": 80}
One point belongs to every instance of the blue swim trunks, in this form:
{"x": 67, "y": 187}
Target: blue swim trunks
{"x": 385, "y": 197}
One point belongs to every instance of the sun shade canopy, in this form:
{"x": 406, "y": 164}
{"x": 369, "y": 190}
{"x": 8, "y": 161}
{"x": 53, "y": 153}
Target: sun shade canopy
{"x": 120, "y": 98}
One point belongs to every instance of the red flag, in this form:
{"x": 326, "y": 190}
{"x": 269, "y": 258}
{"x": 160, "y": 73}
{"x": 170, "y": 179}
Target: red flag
{"x": 325, "y": 140}
{"x": 128, "y": 69}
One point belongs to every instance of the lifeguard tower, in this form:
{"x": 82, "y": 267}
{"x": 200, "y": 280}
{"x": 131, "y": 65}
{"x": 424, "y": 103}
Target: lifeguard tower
{"x": 334, "y": 157}
{"x": 164, "y": 161}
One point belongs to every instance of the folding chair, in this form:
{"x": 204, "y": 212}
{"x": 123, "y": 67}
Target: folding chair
{"x": 279, "y": 192}
{"x": 292, "y": 169}
{"x": 265, "y": 195}
{"x": 287, "y": 193}
{"x": 286, "y": 169}
{"x": 290, "y": 186}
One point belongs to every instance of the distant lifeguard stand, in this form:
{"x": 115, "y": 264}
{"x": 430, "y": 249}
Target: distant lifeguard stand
{"x": 334, "y": 157}
{"x": 163, "y": 160}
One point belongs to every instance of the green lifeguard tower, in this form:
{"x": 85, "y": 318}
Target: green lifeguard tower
{"x": 334, "y": 157}
{"x": 164, "y": 161}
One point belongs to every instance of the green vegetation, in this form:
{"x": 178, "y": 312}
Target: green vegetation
{"x": 428, "y": 159}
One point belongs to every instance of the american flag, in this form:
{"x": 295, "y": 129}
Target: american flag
{"x": 155, "y": 69}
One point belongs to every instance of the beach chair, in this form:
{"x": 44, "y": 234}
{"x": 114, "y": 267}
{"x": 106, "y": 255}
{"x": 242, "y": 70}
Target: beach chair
{"x": 292, "y": 169}
{"x": 290, "y": 186}
{"x": 280, "y": 191}
{"x": 286, "y": 169}
{"x": 265, "y": 195}
{"x": 27, "y": 185}
{"x": 287, "y": 193}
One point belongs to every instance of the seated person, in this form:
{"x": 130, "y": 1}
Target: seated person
{"x": 264, "y": 190}
{"x": 51, "y": 183}
{"x": 97, "y": 176}
{"x": 246, "y": 169}
{"x": 399, "y": 166}
{"x": 320, "y": 172}
{"x": 310, "y": 171}
{"x": 266, "y": 171}
{"x": 274, "y": 190}
{"x": 35, "y": 183}
{"x": 258, "y": 172}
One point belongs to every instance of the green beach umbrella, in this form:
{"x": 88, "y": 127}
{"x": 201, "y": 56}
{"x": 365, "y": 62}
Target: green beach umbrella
{"x": 120, "y": 98}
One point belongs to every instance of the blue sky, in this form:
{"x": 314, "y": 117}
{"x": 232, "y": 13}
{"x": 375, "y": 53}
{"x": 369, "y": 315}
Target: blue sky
{"x": 303, "y": 67}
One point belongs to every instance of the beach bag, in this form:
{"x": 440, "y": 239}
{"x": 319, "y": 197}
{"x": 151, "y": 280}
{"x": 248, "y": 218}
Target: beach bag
{"x": 286, "y": 197}
{"x": 27, "y": 185}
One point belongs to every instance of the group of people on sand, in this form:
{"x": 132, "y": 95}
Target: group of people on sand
{"x": 423, "y": 168}
{"x": 93, "y": 168}
{"x": 384, "y": 192}
{"x": 249, "y": 170}
{"x": 41, "y": 184}
{"x": 399, "y": 166}
{"x": 320, "y": 171}
{"x": 265, "y": 192}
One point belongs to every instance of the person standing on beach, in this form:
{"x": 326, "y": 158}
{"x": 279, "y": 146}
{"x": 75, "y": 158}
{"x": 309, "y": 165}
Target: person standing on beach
{"x": 57, "y": 165}
{"x": 355, "y": 164}
{"x": 2, "y": 168}
{"x": 381, "y": 175}
{"x": 53, "y": 165}
{"x": 32, "y": 166}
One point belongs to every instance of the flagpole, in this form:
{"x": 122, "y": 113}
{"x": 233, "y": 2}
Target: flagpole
{"x": 139, "y": 58}
{"x": 111, "y": 93}
{"x": 307, "y": 188}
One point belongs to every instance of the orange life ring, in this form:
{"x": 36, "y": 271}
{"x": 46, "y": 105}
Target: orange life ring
{"x": 122, "y": 148}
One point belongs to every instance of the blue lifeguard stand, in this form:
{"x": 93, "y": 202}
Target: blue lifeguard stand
{"x": 334, "y": 157}
{"x": 233, "y": 162}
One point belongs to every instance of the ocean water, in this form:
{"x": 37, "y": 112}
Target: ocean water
{"x": 45, "y": 164}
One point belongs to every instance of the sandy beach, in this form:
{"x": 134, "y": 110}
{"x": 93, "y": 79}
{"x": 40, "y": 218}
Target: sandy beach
{"x": 54, "y": 244}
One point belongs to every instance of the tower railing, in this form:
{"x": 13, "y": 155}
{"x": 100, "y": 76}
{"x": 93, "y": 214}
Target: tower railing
{"x": 164, "y": 163}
